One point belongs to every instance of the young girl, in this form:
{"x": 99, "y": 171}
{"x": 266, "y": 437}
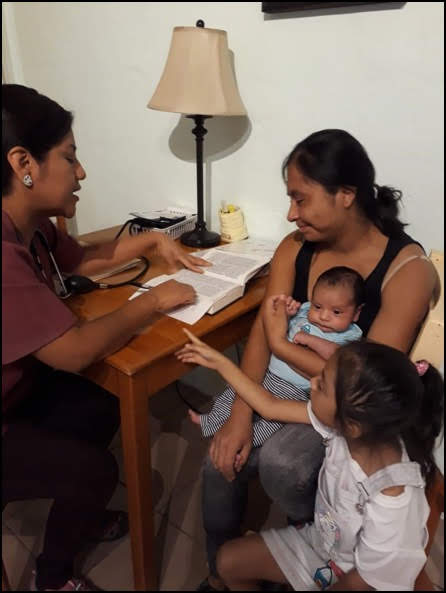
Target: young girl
{"x": 379, "y": 415}
{"x": 329, "y": 318}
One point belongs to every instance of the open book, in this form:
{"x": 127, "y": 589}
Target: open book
{"x": 222, "y": 283}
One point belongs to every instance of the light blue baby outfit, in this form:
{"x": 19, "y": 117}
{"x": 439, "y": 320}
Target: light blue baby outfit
{"x": 280, "y": 380}
{"x": 300, "y": 323}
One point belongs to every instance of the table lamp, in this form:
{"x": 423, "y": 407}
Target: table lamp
{"x": 198, "y": 81}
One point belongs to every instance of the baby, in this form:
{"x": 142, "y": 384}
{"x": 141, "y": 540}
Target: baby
{"x": 337, "y": 299}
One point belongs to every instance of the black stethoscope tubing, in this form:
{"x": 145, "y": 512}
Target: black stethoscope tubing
{"x": 90, "y": 283}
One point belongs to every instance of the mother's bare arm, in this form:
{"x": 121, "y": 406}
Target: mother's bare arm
{"x": 404, "y": 304}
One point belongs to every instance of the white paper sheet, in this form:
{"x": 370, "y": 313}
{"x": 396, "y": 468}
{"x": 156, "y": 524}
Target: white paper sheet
{"x": 253, "y": 246}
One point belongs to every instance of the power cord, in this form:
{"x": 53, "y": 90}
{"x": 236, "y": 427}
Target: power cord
{"x": 142, "y": 222}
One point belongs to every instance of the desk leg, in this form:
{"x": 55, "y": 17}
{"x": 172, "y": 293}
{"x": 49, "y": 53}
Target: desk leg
{"x": 136, "y": 448}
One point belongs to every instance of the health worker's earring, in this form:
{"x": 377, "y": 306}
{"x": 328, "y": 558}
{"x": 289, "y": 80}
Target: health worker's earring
{"x": 27, "y": 180}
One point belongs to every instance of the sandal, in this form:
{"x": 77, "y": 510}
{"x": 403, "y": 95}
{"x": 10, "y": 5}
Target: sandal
{"x": 114, "y": 526}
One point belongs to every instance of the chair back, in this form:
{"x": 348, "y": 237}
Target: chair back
{"x": 429, "y": 344}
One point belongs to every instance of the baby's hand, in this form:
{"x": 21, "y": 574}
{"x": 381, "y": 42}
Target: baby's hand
{"x": 275, "y": 319}
{"x": 291, "y": 306}
{"x": 301, "y": 338}
{"x": 199, "y": 353}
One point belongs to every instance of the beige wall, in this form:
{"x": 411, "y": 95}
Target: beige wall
{"x": 378, "y": 74}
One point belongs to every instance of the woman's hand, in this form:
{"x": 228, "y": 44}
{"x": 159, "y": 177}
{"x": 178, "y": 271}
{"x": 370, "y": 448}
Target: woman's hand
{"x": 174, "y": 255}
{"x": 230, "y": 447}
{"x": 171, "y": 294}
{"x": 275, "y": 320}
{"x": 200, "y": 353}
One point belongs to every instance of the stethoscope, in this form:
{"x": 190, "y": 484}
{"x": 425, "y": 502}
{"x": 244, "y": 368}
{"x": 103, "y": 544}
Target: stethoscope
{"x": 75, "y": 284}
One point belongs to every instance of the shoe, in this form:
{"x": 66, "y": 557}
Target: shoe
{"x": 206, "y": 586}
{"x": 115, "y": 525}
{"x": 71, "y": 585}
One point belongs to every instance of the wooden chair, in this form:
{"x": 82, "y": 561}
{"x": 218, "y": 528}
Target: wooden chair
{"x": 429, "y": 345}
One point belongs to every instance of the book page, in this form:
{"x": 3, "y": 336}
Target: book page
{"x": 205, "y": 286}
{"x": 238, "y": 268}
{"x": 252, "y": 246}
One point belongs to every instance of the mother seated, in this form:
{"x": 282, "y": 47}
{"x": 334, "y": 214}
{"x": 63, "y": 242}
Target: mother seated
{"x": 344, "y": 219}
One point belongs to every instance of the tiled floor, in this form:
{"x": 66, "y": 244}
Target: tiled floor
{"x": 177, "y": 453}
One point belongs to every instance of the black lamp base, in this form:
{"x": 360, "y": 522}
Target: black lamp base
{"x": 200, "y": 238}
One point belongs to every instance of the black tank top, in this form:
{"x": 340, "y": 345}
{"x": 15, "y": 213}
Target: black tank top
{"x": 373, "y": 282}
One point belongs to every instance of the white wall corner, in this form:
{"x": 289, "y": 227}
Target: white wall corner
{"x": 12, "y": 71}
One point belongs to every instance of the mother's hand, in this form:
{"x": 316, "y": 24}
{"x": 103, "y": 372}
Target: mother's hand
{"x": 230, "y": 447}
{"x": 174, "y": 255}
{"x": 275, "y": 320}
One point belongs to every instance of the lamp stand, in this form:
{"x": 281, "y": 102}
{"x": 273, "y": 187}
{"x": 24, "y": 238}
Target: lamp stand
{"x": 200, "y": 236}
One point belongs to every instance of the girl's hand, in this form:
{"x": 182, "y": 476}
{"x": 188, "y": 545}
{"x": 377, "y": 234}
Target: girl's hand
{"x": 200, "y": 353}
{"x": 175, "y": 255}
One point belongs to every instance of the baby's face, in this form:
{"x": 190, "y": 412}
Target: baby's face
{"x": 333, "y": 308}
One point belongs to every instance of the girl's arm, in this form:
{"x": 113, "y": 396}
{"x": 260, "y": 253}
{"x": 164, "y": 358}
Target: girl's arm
{"x": 261, "y": 400}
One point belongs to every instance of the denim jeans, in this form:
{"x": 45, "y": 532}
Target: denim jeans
{"x": 288, "y": 465}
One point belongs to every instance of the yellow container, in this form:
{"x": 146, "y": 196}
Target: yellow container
{"x": 232, "y": 225}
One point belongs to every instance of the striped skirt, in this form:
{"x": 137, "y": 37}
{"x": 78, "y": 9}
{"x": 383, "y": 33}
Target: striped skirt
{"x": 262, "y": 429}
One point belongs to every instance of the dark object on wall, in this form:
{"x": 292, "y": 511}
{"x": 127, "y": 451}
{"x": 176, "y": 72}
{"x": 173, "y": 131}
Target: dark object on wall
{"x": 272, "y": 7}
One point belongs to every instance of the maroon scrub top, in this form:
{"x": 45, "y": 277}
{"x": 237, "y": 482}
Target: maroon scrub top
{"x": 32, "y": 314}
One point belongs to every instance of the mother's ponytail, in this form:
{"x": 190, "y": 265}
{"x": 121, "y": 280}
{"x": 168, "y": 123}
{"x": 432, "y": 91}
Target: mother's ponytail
{"x": 421, "y": 436}
{"x": 385, "y": 214}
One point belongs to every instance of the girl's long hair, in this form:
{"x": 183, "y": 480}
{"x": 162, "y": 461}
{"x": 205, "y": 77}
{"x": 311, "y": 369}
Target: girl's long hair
{"x": 379, "y": 388}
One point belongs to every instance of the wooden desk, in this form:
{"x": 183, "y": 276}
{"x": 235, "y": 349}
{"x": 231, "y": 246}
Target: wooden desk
{"x": 138, "y": 371}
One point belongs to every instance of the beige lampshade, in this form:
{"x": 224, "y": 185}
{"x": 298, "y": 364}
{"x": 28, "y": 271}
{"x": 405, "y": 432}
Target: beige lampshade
{"x": 198, "y": 76}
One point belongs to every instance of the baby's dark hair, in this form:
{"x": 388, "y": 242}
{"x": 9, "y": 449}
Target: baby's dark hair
{"x": 341, "y": 275}
{"x": 379, "y": 388}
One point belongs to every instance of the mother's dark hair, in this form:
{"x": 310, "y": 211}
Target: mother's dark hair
{"x": 32, "y": 121}
{"x": 335, "y": 159}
